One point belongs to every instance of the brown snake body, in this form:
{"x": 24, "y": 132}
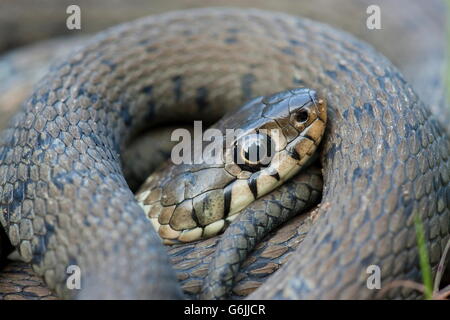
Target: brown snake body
{"x": 385, "y": 173}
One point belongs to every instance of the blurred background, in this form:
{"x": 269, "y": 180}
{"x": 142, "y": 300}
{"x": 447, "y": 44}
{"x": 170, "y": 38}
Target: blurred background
{"x": 31, "y": 23}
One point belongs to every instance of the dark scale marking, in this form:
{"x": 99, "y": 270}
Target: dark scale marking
{"x": 231, "y": 40}
{"x": 147, "y": 90}
{"x": 259, "y": 264}
{"x": 86, "y": 222}
{"x": 43, "y": 243}
{"x": 335, "y": 244}
{"x": 12, "y": 207}
{"x": 3, "y": 154}
{"x": 95, "y": 138}
{"x": 307, "y": 136}
{"x": 407, "y": 204}
{"x": 298, "y": 82}
{"x": 276, "y": 175}
{"x": 43, "y": 140}
{"x": 34, "y": 99}
{"x": 331, "y": 74}
{"x": 295, "y": 42}
{"x": 181, "y": 252}
{"x": 246, "y": 85}
{"x": 143, "y": 42}
{"x": 345, "y": 114}
{"x": 367, "y": 260}
{"x": 233, "y": 30}
{"x": 126, "y": 116}
{"x": 58, "y": 183}
{"x": 72, "y": 261}
{"x": 115, "y": 248}
{"x": 358, "y": 113}
{"x": 344, "y": 68}
{"x": 294, "y": 154}
{"x": 288, "y": 50}
{"x": 93, "y": 97}
{"x": 115, "y": 144}
{"x": 419, "y": 137}
{"x": 151, "y": 49}
{"x": 150, "y": 110}
{"x": 110, "y": 64}
{"x": 194, "y": 217}
{"x": 332, "y": 151}
{"x": 227, "y": 200}
{"x": 327, "y": 237}
{"x": 201, "y": 98}
{"x": 381, "y": 83}
{"x": 369, "y": 109}
{"x": 43, "y": 98}
{"x": 18, "y": 193}
{"x": 357, "y": 173}
{"x": 177, "y": 87}
{"x": 63, "y": 178}
{"x": 253, "y": 185}
{"x": 81, "y": 91}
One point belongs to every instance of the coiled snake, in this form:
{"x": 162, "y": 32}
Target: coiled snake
{"x": 384, "y": 159}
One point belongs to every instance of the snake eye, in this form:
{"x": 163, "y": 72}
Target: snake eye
{"x": 253, "y": 151}
{"x": 302, "y": 116}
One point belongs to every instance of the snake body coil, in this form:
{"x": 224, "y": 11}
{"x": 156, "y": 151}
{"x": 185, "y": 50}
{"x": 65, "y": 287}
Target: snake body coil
{"x": 64, "y": 200}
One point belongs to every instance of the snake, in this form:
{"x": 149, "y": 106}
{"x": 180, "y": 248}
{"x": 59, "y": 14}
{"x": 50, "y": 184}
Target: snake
{"x": 384, "y": 156}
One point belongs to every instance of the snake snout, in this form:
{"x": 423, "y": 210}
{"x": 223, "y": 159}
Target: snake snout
{"x": 309, "y": 119}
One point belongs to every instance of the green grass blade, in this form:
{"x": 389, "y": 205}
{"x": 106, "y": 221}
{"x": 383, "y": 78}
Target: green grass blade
{"x": 425, "y": 267}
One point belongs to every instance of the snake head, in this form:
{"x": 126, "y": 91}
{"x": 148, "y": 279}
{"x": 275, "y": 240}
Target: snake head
{"x": 273, "y": 138}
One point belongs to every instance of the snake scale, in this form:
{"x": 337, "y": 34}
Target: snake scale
{"x": 384, "y": 158}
